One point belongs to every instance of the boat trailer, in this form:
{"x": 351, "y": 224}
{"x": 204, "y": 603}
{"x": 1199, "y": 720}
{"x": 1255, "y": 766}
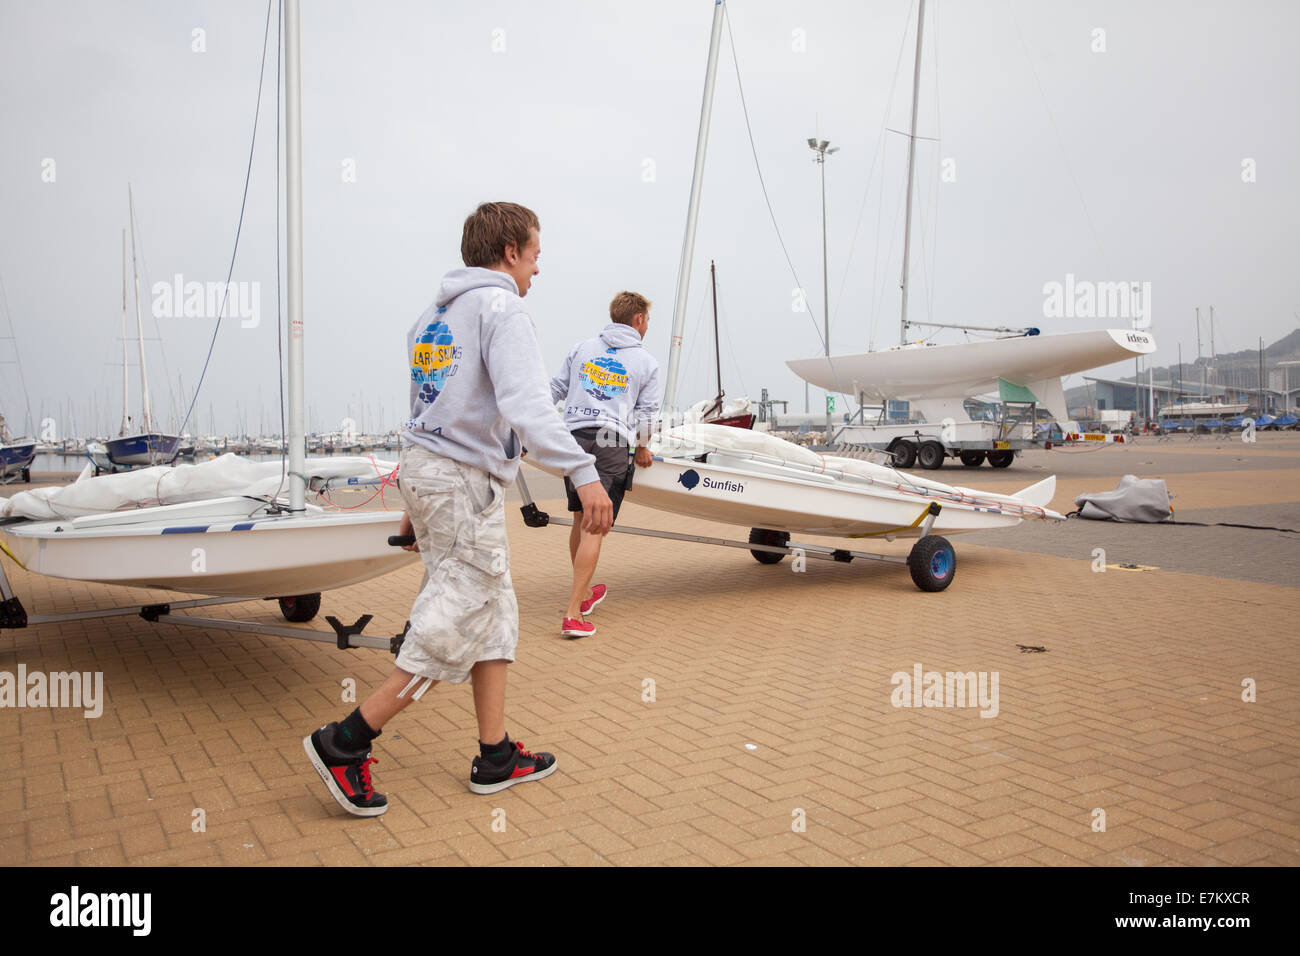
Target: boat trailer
{"x": 932, "y": 561}
{"x": 343, "y": 636}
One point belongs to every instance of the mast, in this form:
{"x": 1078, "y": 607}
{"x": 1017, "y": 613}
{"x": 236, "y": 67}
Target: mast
{"x": 1214, "y": 356}
{"x": 293, "y": 209}
{"x": 717, "y": 349}
{"x": 1261, "y": 375}
{"x": 125, "y": 378}
{"x": 911, "y": 171}
{"x": 692, "y": 213}
{"x": 147, "y": 424}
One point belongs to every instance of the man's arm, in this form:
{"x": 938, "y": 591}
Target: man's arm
{"x": 560, "y": 384}
{"x": 645, "y": 413}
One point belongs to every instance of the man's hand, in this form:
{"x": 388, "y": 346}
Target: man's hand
{"x": 597, "y": 509}
{"x": 643, "y": 457}
{"x": 405, "y": 529}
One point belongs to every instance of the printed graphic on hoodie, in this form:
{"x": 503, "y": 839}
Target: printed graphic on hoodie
{"x": 603, "y": 378}
{"x": 434, "y": 360}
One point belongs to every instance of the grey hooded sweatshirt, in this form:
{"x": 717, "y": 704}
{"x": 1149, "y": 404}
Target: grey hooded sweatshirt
{"x": 612, "y": 381}
{"x": 478, "y": 384}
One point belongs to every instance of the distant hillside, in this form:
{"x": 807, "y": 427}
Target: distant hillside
{"x": 1235, "y": 369}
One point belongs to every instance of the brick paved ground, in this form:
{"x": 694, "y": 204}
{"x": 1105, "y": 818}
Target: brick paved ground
{"x": 771, "y": 703}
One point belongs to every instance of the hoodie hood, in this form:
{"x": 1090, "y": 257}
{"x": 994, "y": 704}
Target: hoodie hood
{"x": 619, "y": 336}
{"x": 459, "y": 281}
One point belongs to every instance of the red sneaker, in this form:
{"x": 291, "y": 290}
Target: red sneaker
{"x": 579, "y": 628}
{"x": 598, "y": 593}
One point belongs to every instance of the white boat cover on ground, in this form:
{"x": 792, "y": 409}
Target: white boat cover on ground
{"x": 1135, "y": 499}
{"x": 225, "y": 476}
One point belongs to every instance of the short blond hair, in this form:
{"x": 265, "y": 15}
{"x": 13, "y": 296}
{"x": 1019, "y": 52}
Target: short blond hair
{"x": 493, "y": 226}
{"x": 626, "y": 305}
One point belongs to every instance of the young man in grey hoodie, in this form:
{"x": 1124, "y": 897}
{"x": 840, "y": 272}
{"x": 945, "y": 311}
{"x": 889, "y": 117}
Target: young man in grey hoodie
{"x": 610, "y": 387}
{"x": 478, "y": 387}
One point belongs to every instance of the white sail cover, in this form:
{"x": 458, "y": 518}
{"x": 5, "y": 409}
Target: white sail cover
{"x": 690, "y": 441}
{"x": 224, "y": 476}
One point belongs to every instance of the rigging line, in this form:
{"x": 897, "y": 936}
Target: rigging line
{"x": 248, "y": 175}
{"x": 687, "y": 368}
{"x": 754, "y": 149}
{"x": 1065, "y": 158}
{"x": 893, "y": 235}
{"x": 877, "y": 152}
{"x": 18, "y": 359}
{"x": 873, "y": 299}
{"x": 731, "y": 349}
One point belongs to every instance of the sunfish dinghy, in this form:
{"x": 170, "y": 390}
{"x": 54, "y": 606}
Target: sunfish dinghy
{"x": 725, "y": 474}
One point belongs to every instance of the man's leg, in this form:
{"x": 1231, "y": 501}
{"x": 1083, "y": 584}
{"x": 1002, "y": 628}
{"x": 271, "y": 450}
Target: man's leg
{"x": 575, "y": 535}
{"x": 489, "y": 678}
{"x": 384, "y": 704}
{"x": 584, "y": 566}
{"x": 501, "y": 763}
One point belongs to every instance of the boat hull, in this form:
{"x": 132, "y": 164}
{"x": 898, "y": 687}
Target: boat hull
{"x": 215, "y": 555}
{"x": 803, "y": 505}
{"x": 14, "y": 458}
{"x": 968, "y": 369}
{"x": 151, "y": 449}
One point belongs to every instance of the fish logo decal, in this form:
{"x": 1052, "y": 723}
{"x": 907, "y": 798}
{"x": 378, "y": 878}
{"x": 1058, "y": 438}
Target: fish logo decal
{"x": 690, "y": 478}
{"x": 433, "y": 360}
{"x": 603, "y": 378}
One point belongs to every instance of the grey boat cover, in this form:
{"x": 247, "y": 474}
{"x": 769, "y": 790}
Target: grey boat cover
{"x": 1136, "y": 499}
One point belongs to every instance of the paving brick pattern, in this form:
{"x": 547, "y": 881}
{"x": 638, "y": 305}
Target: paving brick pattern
{"x": 770, "y": 737}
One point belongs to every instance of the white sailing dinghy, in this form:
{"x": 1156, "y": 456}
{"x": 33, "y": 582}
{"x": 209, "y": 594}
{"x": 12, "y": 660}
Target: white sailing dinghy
{"x": 231, "y": 543}
{"x": 718, "y": 473}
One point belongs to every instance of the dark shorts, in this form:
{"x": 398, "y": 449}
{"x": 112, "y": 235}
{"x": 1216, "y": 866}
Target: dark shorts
{"x": 613, "y": 465}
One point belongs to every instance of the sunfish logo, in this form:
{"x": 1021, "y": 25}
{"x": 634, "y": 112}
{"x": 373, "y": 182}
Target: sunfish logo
{"x": 102, "y": 909}
{"x": 603, "y": 378}
{"x": 690, "y": 478}
{"x": 724, "y": 485}
{"x": 433, "y": 360}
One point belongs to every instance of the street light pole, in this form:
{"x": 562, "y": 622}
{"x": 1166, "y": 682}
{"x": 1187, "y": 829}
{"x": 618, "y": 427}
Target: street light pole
{"x": 819, "y": 157}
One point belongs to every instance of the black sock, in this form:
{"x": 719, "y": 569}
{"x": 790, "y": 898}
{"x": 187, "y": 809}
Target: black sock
{"x": 497, "y": 753}
{"x": 354, "y": 733}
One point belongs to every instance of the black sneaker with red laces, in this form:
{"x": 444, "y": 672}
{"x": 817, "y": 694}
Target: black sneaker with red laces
{"x": 515, "y": 766}
{"x": 346, "y": 773}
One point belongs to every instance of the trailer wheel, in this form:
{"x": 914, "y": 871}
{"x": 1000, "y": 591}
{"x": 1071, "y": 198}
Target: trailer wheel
{"x": 930, "y": 455}
{"x": 1001, "y": 458}
{"x": 27, "y": 476}
{"x": 300, "y": 608}
{"x": 972, "y": 459}
{"x": 932, "y": 562}
{"x": 904, "y": 453}
{"x": 778, "y": 539}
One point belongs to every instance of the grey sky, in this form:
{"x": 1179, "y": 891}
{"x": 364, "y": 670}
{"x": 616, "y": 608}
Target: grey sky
{"x": 1117, "y": 165}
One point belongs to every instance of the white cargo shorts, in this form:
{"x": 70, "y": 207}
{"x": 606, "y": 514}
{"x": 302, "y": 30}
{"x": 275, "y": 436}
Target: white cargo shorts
{"x": 466, "y": 612}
